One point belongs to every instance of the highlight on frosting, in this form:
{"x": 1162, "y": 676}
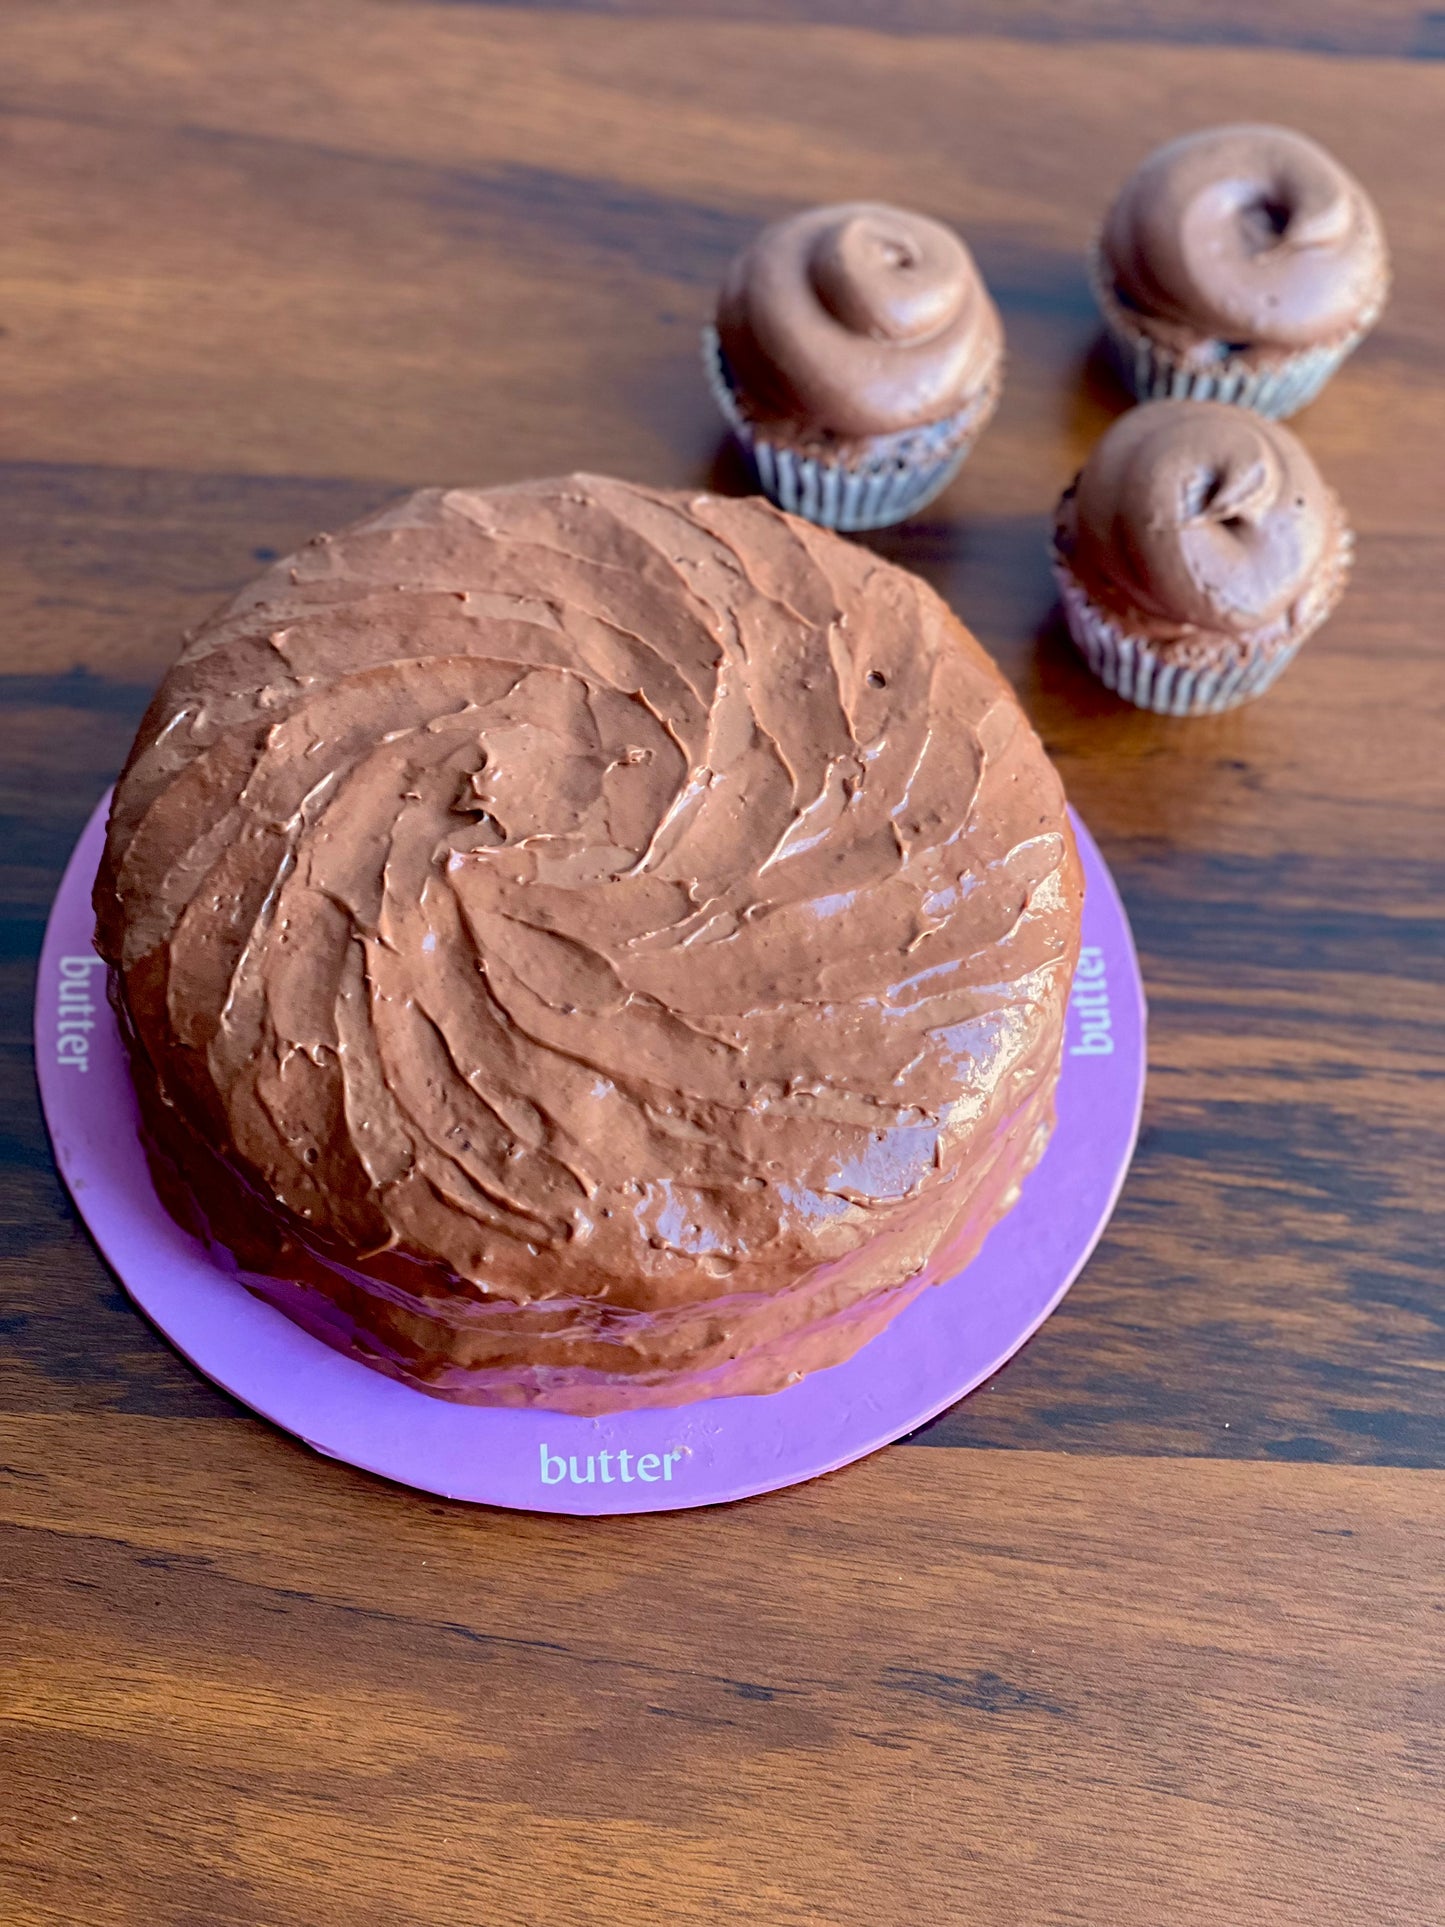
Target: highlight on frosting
{"x": 1252, "y": 234}
{"x": 1201, "y": 516}
{"x": 589, "y": 945}
{"x": 861, "y": 319}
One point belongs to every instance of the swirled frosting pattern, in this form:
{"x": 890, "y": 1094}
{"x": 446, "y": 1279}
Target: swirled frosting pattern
{"x": 588, "y": 945}
{"x": 858, "y": 320}
{"x": 1250, "y": 234}
{"x": 1197, "y": 516}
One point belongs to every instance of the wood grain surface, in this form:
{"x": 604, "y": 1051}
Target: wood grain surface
{"x": 1145, "y": 1634}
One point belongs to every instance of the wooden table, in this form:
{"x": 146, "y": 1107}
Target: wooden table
{"x": 1148, "y": 1632}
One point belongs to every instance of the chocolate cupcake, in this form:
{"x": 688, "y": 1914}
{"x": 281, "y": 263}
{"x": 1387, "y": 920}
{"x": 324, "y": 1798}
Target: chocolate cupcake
{"x": 1241, "y": 264}
{"x": 857, "y": 357}
{"x": 1194, "y": 553}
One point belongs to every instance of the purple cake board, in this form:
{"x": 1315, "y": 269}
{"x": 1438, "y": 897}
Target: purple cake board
{"x": 948, "y": 1341}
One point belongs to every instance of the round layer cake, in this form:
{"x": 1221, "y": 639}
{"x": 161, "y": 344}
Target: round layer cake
{"x": 586, "y": 946}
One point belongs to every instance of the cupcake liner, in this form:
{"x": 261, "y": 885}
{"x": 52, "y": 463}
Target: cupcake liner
{"x": 1152, "y": 678}
{"x": 1156, "y": 373}
{"x": 902, "y": 474}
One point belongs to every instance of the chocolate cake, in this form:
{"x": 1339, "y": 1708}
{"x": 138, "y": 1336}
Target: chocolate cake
{"x": 587, "y": 946}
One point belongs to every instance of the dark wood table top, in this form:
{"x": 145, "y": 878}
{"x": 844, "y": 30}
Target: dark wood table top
{"x": 1146, "y": 1633}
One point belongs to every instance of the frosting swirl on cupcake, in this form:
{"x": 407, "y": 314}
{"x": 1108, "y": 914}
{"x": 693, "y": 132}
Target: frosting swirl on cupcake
{"x": 858, "y": 320}
{"x": 1200, "y": 516}
{"x": 1251, "y": 234}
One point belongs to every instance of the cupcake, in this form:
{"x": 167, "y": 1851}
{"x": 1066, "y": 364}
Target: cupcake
{"x": 1194, "y": 553}
{"x": 857, "y": 357}
{"x": 1240, "y": 264}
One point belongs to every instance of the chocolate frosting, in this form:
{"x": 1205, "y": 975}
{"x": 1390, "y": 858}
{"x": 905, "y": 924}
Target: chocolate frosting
{"x": 1250, "y": 234}
{"x": 588, "y": 945}
{"x": 857, "y": 320}
{"x": 1197, "y": 516}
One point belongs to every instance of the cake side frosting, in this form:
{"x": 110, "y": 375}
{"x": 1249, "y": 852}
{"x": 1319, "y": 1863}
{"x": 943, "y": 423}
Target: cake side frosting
{"x": 588, "y": 945}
